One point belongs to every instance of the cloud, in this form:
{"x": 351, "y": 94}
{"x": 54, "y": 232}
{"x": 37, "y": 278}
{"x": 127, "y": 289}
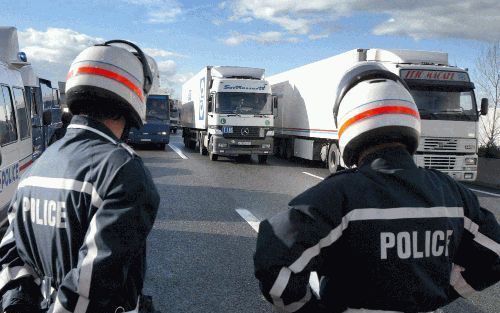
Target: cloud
{"x": 159, "y": 11}
{"x": 160, "y": 53}
{"x": 264, "y": 38}
{"x": 468, "y": 19}
{"x": 52, "y": 51}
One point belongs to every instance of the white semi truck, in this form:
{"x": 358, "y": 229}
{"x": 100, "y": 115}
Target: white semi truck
{"x": 444, "y": 94}
{"x": 227, "y": 111}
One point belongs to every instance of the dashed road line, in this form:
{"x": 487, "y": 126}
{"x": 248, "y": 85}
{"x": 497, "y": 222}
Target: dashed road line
{"x": 254, "y": 223}
{"x": 312, "y": 175}
{"x": 249, "y": 218}
{"x": 178, "y": 151}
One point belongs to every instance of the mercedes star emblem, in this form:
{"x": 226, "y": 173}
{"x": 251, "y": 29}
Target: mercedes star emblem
{"x": 245, "y": 131}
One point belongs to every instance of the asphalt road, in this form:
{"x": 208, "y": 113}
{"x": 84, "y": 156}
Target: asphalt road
{"x": 201, "y": 247}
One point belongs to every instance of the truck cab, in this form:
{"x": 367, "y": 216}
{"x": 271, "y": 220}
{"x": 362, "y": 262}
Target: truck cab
{"x": 448, "y": 110}
{"x": 227, "y": 111}
{"x": 15, "y": 120}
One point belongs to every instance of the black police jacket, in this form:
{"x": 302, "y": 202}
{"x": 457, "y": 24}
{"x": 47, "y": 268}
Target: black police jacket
{"x": 78, "y": 226}
{"x": 387, "y": 236}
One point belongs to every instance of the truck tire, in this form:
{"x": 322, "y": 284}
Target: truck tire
{"x": 201, "y": 147}
{"x": 262, "y": 159}
{"x": 174, "y": 130}
{"x": 211, "y": 155}
{"x": 333, "y": 158}
{"x": 289, "y": 149}
{"x": 161, "y": 146}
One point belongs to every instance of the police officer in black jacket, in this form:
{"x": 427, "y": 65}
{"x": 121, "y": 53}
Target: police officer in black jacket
{"x": 386, "y": 236}
{"x": 81, "y": 215}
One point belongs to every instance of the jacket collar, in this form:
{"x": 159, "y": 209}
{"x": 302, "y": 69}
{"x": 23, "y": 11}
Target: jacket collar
{"x": 389, "y": 159}
{"x": 92, "y": 125}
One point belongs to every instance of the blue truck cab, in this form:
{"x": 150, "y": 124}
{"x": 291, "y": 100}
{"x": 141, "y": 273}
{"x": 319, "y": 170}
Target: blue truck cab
{"x": 156, "y": 129}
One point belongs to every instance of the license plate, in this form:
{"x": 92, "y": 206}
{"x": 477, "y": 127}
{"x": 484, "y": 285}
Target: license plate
{"x": 227, "y": 129}
{"x": 244, "y": 143}
{"x": 145, "y": 139}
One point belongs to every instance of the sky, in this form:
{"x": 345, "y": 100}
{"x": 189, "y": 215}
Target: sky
{"x": 277, "y": 35}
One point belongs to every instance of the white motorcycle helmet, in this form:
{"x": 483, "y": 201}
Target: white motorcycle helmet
{"x": 111, "y": 76}
{"x": 374, "y": 106}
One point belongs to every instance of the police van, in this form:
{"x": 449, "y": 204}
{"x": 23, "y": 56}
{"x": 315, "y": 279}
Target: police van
{"x": 15, "y": 120}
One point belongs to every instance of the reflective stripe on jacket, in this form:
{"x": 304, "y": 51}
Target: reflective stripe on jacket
{"x": 388, "y": 236}
{"x": 79, "y": 221}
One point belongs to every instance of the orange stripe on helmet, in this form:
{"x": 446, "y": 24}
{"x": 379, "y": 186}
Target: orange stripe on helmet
{"x": 108, "y": 74}
{"x": 378, "y": 111}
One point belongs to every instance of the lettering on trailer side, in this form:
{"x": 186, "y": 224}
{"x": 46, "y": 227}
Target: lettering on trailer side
{"x": 201, "y": 113}
{"x": 44, "y": 212}
{"x": 405, "y": 245}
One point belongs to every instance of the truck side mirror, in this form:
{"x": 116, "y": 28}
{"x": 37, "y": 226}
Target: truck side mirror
{"x": 210, "y": 103}
{"x": 484, "y": 106}
{"x": 47, "y": 118}
{"x": 275, "y": 102}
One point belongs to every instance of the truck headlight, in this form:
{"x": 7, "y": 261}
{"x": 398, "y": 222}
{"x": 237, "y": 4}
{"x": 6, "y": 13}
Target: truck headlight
{"x": 468, "y": 175}
{"x": 266, "y": 146}
{"x": 162, "y": 133}
{"x": 270, "y": 133}
{"x": 470, "y": 161}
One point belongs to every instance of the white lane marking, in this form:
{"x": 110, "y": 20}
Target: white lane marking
{"x": 249, "y": 218}
{"x": 315, "y": 176}
{"x": 485, "y": 192}
{"x": 254, "y": 223}
{"x": 178, "y": 151}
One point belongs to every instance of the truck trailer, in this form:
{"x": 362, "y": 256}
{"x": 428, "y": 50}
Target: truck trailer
{"x": 444, "y": 94}
{"x": 227, "y": 111}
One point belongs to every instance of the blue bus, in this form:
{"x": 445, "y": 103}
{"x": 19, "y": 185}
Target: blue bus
{"x": 156, "y": 129}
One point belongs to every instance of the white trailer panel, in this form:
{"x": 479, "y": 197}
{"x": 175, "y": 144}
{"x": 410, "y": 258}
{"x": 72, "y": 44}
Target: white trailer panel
{"x": 306, "y": 96}
{"x": 194, "y": 100}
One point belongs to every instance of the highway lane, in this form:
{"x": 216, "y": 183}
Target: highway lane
{"x": 201, "y": 248}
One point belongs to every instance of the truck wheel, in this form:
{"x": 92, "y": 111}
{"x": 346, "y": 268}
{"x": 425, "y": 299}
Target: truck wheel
{"x": 211, "y": 155}
{"x": 262, "y": 159}
{"x": 333, "y": 158}
{"x": 289, "y": 149}
{"x": 175, "y": 131}
{"x": 161, "y": 146}
{"x": 201, "y": 148}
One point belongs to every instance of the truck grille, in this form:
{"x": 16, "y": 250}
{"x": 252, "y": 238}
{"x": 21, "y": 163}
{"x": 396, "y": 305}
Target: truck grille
{"x": 244, "y": 132}
{"x": 440, "y": 144}
{"x": 441, "y": 162}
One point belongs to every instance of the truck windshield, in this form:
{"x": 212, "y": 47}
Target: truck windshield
{"x": 157, "y": 108}
{"x": 243, "y": 103}
{"x": 445, "y": 103}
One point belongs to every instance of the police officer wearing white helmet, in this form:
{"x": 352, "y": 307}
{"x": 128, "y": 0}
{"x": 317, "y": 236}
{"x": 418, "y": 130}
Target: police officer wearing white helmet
{"x": 81, "y": 215}
{"x": 385, "y": 236}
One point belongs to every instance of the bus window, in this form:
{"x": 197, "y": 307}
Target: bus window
{"x": 8, "y": 128}
{"x": 47, "y": 96}
{"x": 22, "y": 112}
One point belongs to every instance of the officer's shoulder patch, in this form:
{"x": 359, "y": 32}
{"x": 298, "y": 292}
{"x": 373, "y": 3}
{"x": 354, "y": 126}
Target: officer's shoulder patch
{"x": 346, "y": 171}
{"x": 127, "y": 148}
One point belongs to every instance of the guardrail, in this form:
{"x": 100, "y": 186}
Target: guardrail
{"x": 488, "y": 172}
